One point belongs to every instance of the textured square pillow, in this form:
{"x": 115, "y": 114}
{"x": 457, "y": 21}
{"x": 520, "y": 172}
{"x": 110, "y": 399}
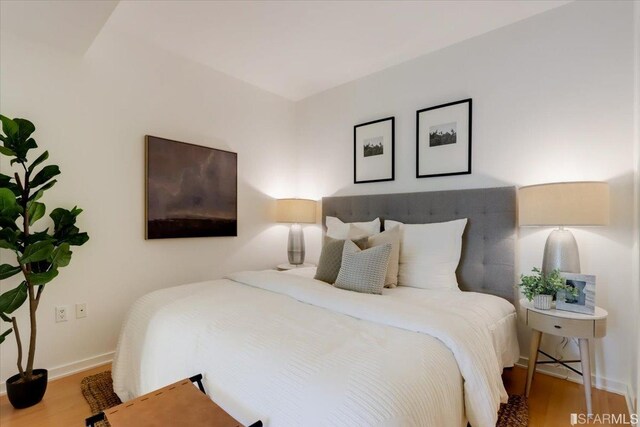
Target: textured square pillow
{"x": 363, "y": 271}
{"x": 429, "y": 254}
{"x": 337, "y": 229}
{"x": 331, "y": 258}
{"x": 391, "y": 236}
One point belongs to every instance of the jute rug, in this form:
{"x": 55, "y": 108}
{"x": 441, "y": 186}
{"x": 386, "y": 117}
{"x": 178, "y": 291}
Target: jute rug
{"x": 98, "y": 391}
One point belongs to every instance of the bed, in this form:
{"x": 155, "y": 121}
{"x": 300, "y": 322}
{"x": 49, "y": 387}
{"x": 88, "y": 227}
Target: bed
{"x": 290, "y": 350}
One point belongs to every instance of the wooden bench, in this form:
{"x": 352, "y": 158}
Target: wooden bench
{"x": 178, "y": 404}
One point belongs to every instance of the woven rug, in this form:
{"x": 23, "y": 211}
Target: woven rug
{"x": 98, "y": 391}
{"x": 514, "y": 413}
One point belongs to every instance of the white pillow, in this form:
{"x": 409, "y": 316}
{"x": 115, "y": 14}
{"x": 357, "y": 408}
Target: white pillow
{"x": 391, "y": 236}
{"x": 429, "y": 254}
{"x": 337, "y": 229}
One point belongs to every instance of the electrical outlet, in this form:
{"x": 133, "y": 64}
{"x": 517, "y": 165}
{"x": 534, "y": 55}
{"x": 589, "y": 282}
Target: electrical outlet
{"x": 81, "y": 310}
{"x": 61, "y": 313}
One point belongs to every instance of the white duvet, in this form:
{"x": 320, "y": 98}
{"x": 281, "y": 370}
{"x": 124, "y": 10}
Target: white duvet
{"x": 292, "y": 351}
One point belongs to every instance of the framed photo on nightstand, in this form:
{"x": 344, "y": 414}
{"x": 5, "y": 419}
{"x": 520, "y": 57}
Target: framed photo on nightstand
{"x": 585, "y": 301}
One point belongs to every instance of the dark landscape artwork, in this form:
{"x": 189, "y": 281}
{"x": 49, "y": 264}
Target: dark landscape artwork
{"x": 444, "y": 134}
{"x": 191, "y": 190}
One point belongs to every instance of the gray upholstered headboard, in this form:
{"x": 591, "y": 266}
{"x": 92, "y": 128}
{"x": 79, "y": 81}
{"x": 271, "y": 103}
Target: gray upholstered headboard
{"x": 488, "y": 243}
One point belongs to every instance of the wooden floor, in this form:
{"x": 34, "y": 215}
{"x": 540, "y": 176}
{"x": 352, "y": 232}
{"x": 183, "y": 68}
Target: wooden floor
{"x": 550, "y": 403}
{"x": 63, "y": 405}
{"x": 552, "y": 400}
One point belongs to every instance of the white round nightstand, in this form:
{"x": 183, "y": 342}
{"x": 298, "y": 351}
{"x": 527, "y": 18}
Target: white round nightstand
{"x": 564, "y": 324}
{"x": 287, "y": 266}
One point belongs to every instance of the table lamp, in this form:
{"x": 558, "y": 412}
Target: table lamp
{"x": 296, "y": 211}
{"x": 563, "y": 204}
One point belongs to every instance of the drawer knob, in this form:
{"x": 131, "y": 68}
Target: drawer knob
{"x": 557, "y": 326}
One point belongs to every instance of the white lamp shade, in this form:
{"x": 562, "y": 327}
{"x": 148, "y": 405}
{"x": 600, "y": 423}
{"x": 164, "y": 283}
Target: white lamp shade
{"x": 565, "y": 203}
{"x": 296, "y": 211}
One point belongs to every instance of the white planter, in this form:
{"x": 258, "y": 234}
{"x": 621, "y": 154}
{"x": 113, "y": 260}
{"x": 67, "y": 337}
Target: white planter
{"x": 542, "y": 302}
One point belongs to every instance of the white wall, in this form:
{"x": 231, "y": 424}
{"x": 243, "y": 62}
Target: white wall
{"x": 92, "y": 113}
{"x": 553, "y": 101}
{"x": 635, "y": 377}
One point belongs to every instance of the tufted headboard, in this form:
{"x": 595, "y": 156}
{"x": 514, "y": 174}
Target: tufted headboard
{"x": 488, "y": 243}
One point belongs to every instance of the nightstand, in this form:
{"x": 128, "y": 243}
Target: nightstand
{"x": 564, "y": 324}
{"x": 286, "y": 266}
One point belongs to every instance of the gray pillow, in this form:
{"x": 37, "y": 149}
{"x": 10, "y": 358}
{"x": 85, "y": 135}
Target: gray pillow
{"x": 363, "y": 271}
{"x": 331, "y": 258}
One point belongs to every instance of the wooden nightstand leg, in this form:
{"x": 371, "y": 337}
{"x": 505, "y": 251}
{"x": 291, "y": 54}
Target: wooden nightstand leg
{"x": 536, "y": 336}
{"x": 586, "y": 372}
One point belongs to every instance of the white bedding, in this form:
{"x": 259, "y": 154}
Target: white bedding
{"x": 410, "y": 357}
{"x": 498, "y": 315}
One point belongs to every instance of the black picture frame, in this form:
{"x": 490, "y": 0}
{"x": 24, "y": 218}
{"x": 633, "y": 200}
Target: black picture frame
{"x": 392, "y": 157}
{"x": 466, "y": 171}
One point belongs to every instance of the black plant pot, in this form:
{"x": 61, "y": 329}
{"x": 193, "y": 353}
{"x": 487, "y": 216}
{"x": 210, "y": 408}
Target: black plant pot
{"x": 24, "y": 394}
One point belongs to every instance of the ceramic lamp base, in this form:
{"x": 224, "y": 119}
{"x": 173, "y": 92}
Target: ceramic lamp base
{"x": 561, "y": 252}
{"x": 295, "y": 247}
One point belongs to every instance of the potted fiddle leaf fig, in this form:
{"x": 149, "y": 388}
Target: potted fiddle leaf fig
{"x": 542, "y": 288}
{"x": 37, "y": 255}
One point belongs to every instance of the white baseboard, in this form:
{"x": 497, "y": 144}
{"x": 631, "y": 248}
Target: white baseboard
{"x": 74, "y": 367}
{"x": 632, "y": 401}
{"x": 601, "y": 383}
{"x": 606, "y": 384}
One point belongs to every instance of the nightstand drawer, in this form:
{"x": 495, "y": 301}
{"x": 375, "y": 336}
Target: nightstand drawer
{"x": 563, "y": 327}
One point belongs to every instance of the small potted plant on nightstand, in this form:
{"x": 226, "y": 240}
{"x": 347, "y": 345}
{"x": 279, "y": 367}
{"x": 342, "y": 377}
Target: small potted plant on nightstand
{"x": 541, "y": 289}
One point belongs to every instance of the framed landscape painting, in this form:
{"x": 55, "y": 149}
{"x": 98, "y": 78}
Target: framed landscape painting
{"x": 191, "y": 190}
{"x": 374, "y": 151}
{"x": 443, "y": 140}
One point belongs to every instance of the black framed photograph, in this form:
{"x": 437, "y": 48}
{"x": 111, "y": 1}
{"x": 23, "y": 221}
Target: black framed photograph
{"x": 443, "y": 140}
{"x": 374, "y": 151}
{"x": 584, "y": 299}
{"x": 191, "y": 190}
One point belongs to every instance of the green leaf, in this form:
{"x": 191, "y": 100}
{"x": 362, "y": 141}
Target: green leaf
{"x": 38, "y": 251}
{"x": 7, "y": 271}
{"x": 63, "y": 218}
{"x": 26, "y": 128}
{"x": 9, "y": 208}
{"x": 13, "y": 299}
{"x": 8, "y": 238}
{"x": 38, "y": 237}
{"x": 6, "y": 182}
{"x": 61, "y": 255}
{"x": 38, "y": 194}
{"x": 5, "y": 317}
{"x": 36, "y": 211}
{"x": 7, "y": 151}
{"x": 64, "y": 226}
{"x": 78, "y": 239}
{"x": 44, "y": 175}
{"x": 9, "y": 127}
{"x": 4, "y": 335}
{"x": 39, "y": 279}
{"x": 44, "y": 156}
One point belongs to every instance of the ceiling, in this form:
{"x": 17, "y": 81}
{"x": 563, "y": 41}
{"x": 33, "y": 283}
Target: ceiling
{"x": 69, "y": 25}
{"x": 292, "y": 48}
